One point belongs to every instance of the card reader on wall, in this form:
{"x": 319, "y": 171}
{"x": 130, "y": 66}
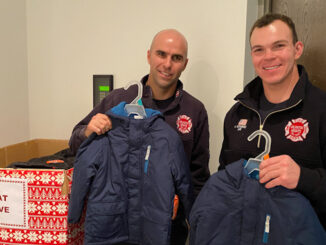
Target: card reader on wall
{"x": 102, "y": 85}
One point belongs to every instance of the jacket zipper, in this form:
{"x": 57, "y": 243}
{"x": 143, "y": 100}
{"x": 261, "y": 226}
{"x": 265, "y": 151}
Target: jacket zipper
{"x": 148, "y": 151}
{"x": 266, "y": 228}
{"x": 261, "y": 125}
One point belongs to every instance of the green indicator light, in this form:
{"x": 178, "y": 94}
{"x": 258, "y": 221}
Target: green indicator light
{"x": 104, "y": 88}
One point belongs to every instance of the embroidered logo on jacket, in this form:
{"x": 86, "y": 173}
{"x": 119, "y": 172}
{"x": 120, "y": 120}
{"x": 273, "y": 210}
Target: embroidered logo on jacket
{"x": 242, "y": 124}
{"x": 297, "y": 129}
{"x": 184, "y": 124}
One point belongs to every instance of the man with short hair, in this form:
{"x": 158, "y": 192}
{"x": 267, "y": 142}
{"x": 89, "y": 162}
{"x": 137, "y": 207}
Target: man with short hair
{"x": 283, "y": 102}
{"x": 163, "y": 91}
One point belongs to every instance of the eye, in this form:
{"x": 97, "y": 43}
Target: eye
{"x": 279, "y": 46}
{"x": 257, "y": 51}
{"x": 160, "y": 53}
{"x": 177, "y": 58}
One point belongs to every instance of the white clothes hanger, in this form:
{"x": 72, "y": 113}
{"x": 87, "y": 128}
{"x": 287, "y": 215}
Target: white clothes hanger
{"x": 252, "y": 165}
{"x": 136, "y": 106}
{"x": 268, "y": 142}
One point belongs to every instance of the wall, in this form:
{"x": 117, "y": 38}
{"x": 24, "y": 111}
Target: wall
{"x": 69, "y": 41}
{"x": 14, "y": 123}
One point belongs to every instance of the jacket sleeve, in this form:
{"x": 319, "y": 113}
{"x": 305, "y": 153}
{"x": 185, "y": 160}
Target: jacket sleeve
{"x": 312, "y": 184}
{"x": 199, "y": 163}
{"x": 207, "y": 214}
{"x": 228, "y": 154}
{"x": 198, "y": 217}
{"x": 84, "y": 171}
{"x": 182, "y": 177}
{"x": 312, "y": 181}
{"x": 223, "y": 155}
{"x": 78, "y": 132}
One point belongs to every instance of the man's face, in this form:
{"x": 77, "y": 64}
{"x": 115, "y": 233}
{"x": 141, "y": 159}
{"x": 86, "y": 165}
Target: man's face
{"x": 273, "y": 53}
{"x": 167, "y": 59}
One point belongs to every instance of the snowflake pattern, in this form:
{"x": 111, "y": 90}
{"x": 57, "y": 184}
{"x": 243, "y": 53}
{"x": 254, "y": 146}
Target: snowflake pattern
{"x": 45, "y": 178}
{"x": 46, "y": 208}
{"x": 32, "y": 236}
{"x": 4, "y": 234}
{"x": 18, "y": 235}
{"x": 44, "y": 201}
{"x": 62, "y": 208}
{"x": 62, "y": 237}
{"x": 30, "y": 176}
{"x": 15, "y": 175}
{"x": 60, "y": 179}
{"x": 32, "y": 207}
{"x": 47, "y": 237}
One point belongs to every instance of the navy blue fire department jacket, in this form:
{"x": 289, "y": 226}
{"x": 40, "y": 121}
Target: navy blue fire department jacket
{"x": 129, "y": 177}
{"x": 233, "y": 208}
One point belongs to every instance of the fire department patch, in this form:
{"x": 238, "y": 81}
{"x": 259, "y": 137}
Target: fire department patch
{"x": 184, "y": 124}
{"x": 297, "y": 129}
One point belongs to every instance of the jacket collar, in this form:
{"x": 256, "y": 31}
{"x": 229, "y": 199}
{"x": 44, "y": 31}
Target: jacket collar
{"x": 120, "y": 110}
{"x": 251, "y": 93}
{"x": 119, "y": 116}
{"x": 147, "y": 98}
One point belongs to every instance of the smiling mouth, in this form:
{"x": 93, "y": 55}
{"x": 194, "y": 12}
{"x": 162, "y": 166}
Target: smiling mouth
{"x": 271, "y": 67}
{"x": 165, "y": 74}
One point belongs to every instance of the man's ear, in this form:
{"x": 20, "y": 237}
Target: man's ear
{"x": 185, "y": 64}
{"x": 148, "y": 55}
{"x": 298, "y": 49}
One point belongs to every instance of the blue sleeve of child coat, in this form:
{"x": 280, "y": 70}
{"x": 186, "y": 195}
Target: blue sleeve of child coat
{"x": 182, "y": 178}
{"x": 84, "y": 170}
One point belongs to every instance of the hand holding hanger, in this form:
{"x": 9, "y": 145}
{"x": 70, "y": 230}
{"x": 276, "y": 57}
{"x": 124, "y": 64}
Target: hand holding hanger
{"x": 100, "y": 124}
{"x": 279, "y": 170}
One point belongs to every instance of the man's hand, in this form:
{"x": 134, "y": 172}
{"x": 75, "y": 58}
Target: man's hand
{"x": 280, "y": 170}
{"x": 100, "y": 124}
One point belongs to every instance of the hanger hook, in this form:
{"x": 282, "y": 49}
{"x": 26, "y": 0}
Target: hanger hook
{"x": 268, "y": 142}
{"x": 136, "y": 106}
{"x": 140, "y": 90}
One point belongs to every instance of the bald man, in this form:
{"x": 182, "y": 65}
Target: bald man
{"x": 162, "y": 91}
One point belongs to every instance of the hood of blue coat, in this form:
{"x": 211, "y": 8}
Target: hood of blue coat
{"x": 119, "y": 118}
{"x": 120, "y": 111}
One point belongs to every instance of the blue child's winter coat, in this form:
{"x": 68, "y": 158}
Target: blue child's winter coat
{"x": 129, "y": 177}
{"x": 235, "y": 209}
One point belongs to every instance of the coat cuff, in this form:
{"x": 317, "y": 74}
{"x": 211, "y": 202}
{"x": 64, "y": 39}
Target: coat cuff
{"x": 308, "y": 182}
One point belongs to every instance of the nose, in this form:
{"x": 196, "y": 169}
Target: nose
{"x": 269, "y": 54}
{"x": 167, "y": 62}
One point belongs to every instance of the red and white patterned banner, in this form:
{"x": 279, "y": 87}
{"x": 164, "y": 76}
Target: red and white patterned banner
{"x": 47, "y": 209}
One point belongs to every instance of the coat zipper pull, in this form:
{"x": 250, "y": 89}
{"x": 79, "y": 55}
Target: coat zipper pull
{"x": 259, "y": 137}
{"x": 267, "y": 227}
{"x": 146, "y": 158}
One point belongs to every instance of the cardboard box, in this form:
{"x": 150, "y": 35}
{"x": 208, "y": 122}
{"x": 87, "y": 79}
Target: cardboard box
{"x": 34, "y": 202}
{"x": 29, "y": 149}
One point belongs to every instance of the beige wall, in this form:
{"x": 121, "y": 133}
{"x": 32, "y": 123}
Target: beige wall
{"x": 14, "y": 120}
{"x": 69, "y": 41}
